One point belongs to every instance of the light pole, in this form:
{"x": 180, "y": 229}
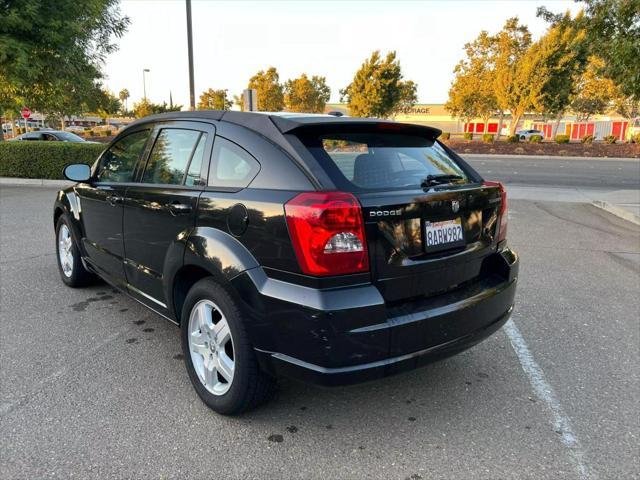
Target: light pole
{"x": 144, "y": 82}
{"x": 192, "y": 94}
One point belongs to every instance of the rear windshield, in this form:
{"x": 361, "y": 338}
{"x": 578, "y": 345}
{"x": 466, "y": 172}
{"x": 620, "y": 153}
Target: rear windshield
{"x": 382, "y": 161}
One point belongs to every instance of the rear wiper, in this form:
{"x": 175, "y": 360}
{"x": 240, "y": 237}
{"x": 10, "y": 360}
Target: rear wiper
{"x": 432, "y": 180}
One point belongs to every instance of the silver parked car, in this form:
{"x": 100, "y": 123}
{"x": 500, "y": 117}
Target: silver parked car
{"x": 50, "y": 135}
{"x": 527, "y": 134}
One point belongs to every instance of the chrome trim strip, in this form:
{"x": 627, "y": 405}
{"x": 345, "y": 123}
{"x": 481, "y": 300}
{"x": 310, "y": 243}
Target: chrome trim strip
{"x": 148, "y": 297}
{"x": 154, "y": 310}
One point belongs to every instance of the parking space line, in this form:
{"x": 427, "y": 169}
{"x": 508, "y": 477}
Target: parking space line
{"x": 544, "y": 391}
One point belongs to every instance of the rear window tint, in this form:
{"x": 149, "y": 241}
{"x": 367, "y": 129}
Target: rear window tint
{"x": 382, "y": 161}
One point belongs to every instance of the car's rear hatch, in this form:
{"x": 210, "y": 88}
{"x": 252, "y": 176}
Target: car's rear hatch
{"x": 430, "y": 221}
{"x": 406, "y": 260}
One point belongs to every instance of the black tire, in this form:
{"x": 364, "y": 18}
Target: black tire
{"x": 250, "y": 386}
{"x": 78, "y": 275}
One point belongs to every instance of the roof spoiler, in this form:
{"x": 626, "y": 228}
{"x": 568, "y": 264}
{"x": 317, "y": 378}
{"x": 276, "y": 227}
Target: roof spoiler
{"x": 289, "y": 125}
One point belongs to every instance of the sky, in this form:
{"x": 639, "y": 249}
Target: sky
{"x": 234, "y": 40}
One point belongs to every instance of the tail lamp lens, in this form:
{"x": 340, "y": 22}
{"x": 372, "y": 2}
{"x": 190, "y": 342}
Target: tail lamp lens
{"x": 327, "y": 231}
{"x": 503, "y": 214}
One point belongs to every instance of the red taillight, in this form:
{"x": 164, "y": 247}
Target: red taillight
{"x": 503, "y": 214}
{"x": 327, "y": 231}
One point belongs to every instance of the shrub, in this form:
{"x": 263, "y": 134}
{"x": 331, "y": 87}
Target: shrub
{"x": 635, "y": 138}
{"x": 610, "y": 139}
{"x": 587, "y": 139}
{"x": 535, "y": 138}
{"x": 44, "y": 159}
{"x": 487, "y": 138}
{"x": 445, "y": 136}
{"x": 513, "y": 139}
{"x": 106, "y": 133}
{"x": 562, "y": 138}
{"x": 468, "y": 136}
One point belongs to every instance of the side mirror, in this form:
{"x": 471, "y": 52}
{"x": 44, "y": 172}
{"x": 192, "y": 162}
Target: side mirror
{"x": 77, "y": 172}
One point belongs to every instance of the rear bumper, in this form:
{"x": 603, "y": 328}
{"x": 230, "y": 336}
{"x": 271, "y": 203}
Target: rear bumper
{"x": 345, "y": 336}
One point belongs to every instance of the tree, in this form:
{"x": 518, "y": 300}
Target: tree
{"x": 270, "y": 91}
{"x": 594, "y": 92}
{"x": 239, "y": 102}
{"x": 626, "y": 106}
{"x": 472, "y": 91}
{"x": 306, "y": 95}
{"x": 145, "y": 108}
{"x": 613, "y": 31}
{"x": 378, "y": 90}
{"x": 62, "y": 98}
{"x": 124, "y": 96}
{"x": 108, "y": 105}
{"x": 563, "y": 53}
{"x": 512, "y": 88}
{"x": 9, "y": 103}
{"x": 48, "y": 47}
{"x": 214, "y": 100}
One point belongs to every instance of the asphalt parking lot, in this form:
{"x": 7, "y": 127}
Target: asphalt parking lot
{"x": 92, "y": 385}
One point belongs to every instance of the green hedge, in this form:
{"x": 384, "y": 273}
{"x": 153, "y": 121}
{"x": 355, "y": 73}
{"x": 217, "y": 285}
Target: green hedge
{"x": 33, "y": 159}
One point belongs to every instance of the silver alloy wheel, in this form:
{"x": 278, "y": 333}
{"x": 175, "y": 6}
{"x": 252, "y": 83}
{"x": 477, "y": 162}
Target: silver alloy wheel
{"x": 65, "y": 253}
{"x": 211, "y": 347}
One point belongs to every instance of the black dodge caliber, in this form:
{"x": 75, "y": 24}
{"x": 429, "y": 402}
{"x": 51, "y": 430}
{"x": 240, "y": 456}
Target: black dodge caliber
{"x": 332, "y": 250}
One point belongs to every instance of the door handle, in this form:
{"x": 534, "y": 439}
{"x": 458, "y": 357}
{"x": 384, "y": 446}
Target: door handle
{"x": 178, "y": 208}
{"x": 115, "y": 200}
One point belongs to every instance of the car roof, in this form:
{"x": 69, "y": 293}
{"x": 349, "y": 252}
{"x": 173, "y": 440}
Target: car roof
{"x": 45, "y": 130}
{"x": 274, "y": 124}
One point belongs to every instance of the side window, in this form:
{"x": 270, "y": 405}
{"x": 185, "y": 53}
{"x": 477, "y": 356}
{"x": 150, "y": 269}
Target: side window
{"x": 170, "y": 156}
{"x": 232, "y": 166}
{"x": 117, "y": 164}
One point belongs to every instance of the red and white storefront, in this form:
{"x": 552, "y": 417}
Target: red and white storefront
{"x": 579, "y": 130}
{"x": 478, "y": 127}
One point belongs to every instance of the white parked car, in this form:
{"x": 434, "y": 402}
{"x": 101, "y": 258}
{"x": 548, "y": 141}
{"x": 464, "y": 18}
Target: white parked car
{"x": 527, "y": 134}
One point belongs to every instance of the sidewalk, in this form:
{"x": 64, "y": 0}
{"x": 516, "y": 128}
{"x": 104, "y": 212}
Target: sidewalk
{"x": 623, "y": 203}
{"x": 34, "y": 182}
{"x": 511, "y": 156}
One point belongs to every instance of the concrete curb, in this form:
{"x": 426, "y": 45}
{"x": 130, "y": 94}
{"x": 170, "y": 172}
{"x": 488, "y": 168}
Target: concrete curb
{"x": 542, "y": 157}
{"x": 617, "y": 211}
{"x": 34, "y": 182}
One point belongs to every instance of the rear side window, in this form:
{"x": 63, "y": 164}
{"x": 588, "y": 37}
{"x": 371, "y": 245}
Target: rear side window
{"x": 382, "y": 161}
{"x": 170, "y": 156}
{"x": 232, "y": 166}
{"x": 117, "y": 164}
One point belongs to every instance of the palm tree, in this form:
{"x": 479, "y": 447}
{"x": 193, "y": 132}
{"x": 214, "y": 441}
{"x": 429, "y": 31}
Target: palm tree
{"x": 123, "y": 96}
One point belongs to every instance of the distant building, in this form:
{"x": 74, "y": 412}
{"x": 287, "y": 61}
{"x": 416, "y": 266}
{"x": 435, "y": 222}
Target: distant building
{"x": 435, "y": 115}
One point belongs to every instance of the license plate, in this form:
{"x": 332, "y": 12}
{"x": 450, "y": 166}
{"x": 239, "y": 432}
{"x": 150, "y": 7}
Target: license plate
{"x": 444, "y": 234}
